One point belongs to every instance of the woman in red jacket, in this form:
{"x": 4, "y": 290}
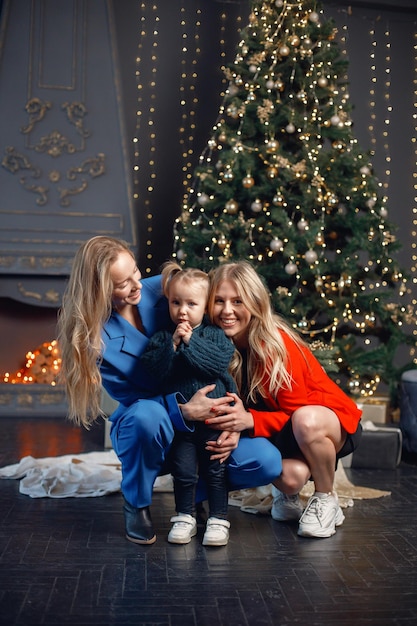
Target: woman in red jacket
{"x": 287, "y": 397}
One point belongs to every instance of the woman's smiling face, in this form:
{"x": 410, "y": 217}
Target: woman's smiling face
{"x": 125, "y": 276}
{"x": 230, "y": 314}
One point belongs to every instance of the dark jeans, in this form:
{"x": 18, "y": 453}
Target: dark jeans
{"x": 189, "y": 460}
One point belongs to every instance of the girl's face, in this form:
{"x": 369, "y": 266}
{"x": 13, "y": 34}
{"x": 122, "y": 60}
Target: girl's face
{"x": 125, "y": 276}
{"x": 230, "y": 314}
{"x": 187, "y": 302}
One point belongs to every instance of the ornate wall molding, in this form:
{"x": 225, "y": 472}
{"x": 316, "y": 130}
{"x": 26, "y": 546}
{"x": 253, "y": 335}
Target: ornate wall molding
{"x": 65, "y": 173}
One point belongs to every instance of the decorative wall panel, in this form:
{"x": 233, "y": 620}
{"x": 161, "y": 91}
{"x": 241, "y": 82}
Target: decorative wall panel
{"x": 64, "y": 174}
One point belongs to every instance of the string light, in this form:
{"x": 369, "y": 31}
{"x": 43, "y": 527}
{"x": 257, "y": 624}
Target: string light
{"x": 189, "y": 115}
{"x": 145, "y": 118}
{"x": 376, "y": 71}
{"x": 188, "y": 97}
{"x": 414, "y": 222}
{"x": 42, "y": 366}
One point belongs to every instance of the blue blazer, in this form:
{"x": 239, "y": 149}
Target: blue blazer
{"x": 123, "y": 375}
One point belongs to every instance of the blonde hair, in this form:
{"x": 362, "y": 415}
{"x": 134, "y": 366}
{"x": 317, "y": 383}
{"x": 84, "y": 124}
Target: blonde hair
{"x": 86, "y": 307}
{"x": 267, "y": 359}
{"x": 172, "y": 273}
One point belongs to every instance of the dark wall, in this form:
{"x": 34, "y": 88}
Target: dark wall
{"x": 214, "y": 21}
{"x": 165, "y": 200}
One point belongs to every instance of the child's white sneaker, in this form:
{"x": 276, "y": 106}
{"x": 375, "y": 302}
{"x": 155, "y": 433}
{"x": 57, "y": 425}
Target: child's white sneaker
{"x": 217, "y": 532}
{"x": 184, "y": 527}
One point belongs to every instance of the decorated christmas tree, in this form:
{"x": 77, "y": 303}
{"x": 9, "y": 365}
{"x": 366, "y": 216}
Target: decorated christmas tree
{"x": 283, "y": 183}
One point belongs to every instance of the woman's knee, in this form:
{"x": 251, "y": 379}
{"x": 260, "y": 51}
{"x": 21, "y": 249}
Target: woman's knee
{"x": 310, "y": 422}
{"x": 254, "y": 463}
{"x": 305, "y": 417}
{"x": 146, "y": 420}
{"x": 295, "y": 474}
{"x": 317, "y": 424}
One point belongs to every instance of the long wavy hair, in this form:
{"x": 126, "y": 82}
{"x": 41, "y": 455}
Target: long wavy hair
{"x": 86, "y": 307}
{"x": 267, "y": 364}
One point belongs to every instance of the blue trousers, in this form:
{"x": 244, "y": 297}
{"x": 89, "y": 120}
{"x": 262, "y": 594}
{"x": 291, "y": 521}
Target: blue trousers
{"x": 142, "y": 438}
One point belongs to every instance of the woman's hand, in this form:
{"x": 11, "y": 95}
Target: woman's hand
{"x": 199, "y": 407}
{"x": 232, "y": 417}
{"x": 223, "y": 446}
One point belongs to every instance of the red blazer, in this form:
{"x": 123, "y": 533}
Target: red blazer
{"x": 310, "y": 386}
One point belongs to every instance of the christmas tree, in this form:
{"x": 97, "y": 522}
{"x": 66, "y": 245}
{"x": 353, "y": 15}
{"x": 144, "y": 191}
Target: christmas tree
{"x": 283, "y": 183}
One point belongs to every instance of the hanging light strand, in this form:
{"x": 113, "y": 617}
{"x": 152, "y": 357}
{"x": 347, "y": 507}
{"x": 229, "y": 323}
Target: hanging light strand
{"x": 190, "y": 51}
{"x": 414, "y": 223}
{"x": 145, "y": 118}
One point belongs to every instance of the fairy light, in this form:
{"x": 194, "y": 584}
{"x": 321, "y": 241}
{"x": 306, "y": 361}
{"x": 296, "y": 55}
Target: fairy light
{"x": 42, "y": 366}
{"x": 414, "y": 227}
{"x": 196, "y": 210}
{"x": 145, "y": 118}
{"x": 387, "y": 118}
{"x": 372, "y": 90}
{"x": 188, "y": 98}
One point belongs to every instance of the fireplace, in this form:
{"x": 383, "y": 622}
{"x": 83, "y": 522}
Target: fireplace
{"x": 29, "y": 361}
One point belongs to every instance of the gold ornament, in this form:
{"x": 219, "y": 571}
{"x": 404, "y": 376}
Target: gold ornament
{"x": 231, "y": 207}
{"x": 248, "y": 181}
{"x": 272, "y": 146}
{"x": 339, "y": 145}
{"x": 222, "y": 242}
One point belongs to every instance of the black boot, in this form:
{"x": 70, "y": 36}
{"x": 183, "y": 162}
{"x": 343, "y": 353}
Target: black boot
{"x": 138, "y": 524}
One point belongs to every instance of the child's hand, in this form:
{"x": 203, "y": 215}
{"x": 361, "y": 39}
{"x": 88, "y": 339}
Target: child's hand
{"x": 183, "y": 333}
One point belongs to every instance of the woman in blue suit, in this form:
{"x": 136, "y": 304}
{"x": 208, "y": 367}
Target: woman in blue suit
{"x": 108, "y": 314}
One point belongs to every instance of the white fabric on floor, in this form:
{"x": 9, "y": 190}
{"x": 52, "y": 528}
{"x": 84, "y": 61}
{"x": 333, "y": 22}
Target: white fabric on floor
{"x": 98, "y": 473}
{"x": 73, "y": 475}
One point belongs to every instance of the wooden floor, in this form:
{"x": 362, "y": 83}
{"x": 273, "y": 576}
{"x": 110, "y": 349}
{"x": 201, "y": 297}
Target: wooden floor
{"x": 67, "y": 561}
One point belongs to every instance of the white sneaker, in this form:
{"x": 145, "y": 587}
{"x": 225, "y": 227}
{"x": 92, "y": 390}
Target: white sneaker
{"x": 321, "y": 516}
{"x": 184, "y": 527}
{"x": 285, "y": 508}
{"x": 217, "y": 532}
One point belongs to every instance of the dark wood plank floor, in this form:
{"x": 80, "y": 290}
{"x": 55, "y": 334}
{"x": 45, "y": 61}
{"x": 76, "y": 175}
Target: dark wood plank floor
{"x": 67, "y": 561}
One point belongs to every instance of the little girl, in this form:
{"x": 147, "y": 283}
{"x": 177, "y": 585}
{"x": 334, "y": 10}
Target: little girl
{"x": 191, "y": 356}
